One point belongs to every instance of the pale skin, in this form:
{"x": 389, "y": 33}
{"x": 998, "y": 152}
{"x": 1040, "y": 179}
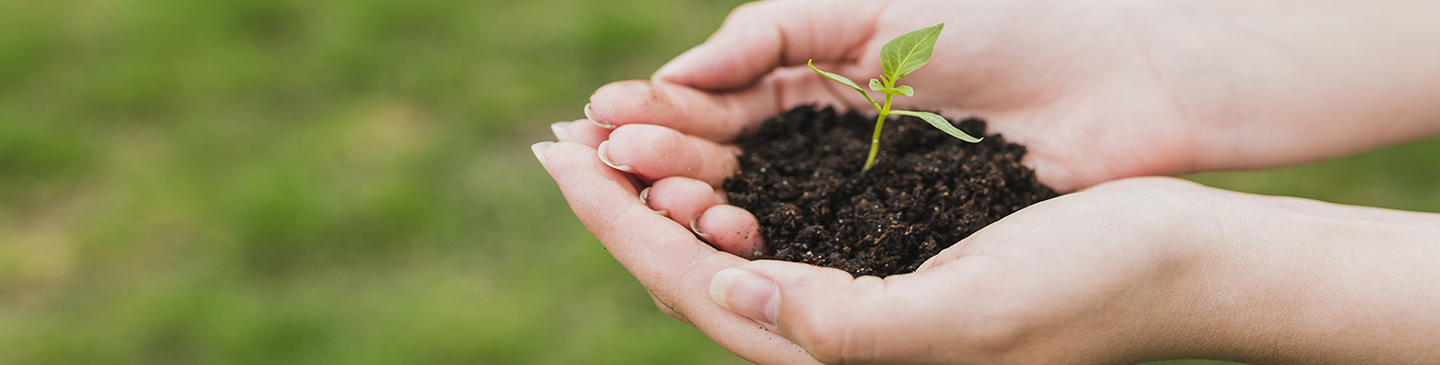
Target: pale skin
{"x": 1131, "y": 270}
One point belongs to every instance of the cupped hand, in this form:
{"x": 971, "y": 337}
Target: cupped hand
{"x": 1128, "y": 271}
{"x": 1124, "y": 272}
{"x": 1072, "y": 82}
{"x": 1038, "y": 285}
{"x": 1098, "y": 90}
{"x": 1099, "y": 276}
{"x": 1088, "y": 107}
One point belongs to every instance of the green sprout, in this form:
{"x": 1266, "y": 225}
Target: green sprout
{"x": 899, "y": 58}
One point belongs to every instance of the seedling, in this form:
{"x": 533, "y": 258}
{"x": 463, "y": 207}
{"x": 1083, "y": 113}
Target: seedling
{"x": 899, "y": 57}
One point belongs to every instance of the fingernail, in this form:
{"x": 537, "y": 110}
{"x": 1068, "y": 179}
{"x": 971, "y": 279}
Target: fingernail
{"x": 605, "y": 157}
{"x": 539, "y": 149}
{"x": 645, "y": 198}
{"x": 561, "y": 133}
{"x": 747, "y": 294}
{"x": 591, "y": 116}
{"x": 695, "y": 228}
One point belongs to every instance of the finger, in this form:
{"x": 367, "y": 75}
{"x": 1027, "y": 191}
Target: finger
{"x": 758, "y": 37}
{"x": 838, "y": 318}
{"x": 667, "y": 259}
{"x": 655, "y": 152}
{"x": 719, "y": 117}
{"x": 582, "y": 131}
{"x": 730, "y": 229}
{"x": 681, "y": 198}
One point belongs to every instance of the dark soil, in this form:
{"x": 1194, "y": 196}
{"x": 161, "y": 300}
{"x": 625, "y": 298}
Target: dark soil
{"x": 800, "y": 176}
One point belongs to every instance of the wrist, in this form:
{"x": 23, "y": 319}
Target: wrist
{"x": 1266, "y": 84}
{"x": 1300, "y": 281}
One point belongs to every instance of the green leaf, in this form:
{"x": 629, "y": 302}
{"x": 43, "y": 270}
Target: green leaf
{"x": 905, "y": 90}
{"x": 902, "y": 90}
{"x": 837, "y": 78}
{"x": 895, "y": 91}
{"x": 939, "y": 122}
{"x": 909, "y": 52}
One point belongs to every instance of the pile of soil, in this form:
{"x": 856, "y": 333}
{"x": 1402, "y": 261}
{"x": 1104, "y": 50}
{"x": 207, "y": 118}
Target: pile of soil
{"x": 800, "y": 176}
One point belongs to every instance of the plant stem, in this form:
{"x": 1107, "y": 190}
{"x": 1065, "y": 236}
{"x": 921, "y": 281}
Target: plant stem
{"x": 875, "y": 139}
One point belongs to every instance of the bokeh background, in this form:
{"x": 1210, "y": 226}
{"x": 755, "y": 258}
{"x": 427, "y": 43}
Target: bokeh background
{"x": 349, "y": 182}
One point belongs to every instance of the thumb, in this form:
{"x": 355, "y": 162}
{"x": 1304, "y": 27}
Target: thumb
{"x": 758, "y": 37}
{"x": 836, "y": 318}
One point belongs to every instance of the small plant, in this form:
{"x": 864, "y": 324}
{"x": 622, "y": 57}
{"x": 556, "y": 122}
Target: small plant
{"x": 899, "y": 57}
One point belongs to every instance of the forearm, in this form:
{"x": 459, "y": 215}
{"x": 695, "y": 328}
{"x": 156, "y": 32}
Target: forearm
{"x": 1281, "y": 82}
{"x": 1306, "y": 282}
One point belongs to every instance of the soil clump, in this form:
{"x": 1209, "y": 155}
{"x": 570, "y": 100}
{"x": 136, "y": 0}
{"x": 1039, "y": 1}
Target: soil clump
{"x": 800, "y": 177}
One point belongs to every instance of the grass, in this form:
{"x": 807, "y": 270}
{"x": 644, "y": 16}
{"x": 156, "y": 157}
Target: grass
{"x": 315, "y": 182}
{"x": 349, "y": 181}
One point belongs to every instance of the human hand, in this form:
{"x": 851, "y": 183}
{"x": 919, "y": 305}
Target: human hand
{"x": 674, "y": 131}
{"x": 1019, "y": 78}
{"x": 1129, "y": 271}
{"x": 1096, "y": 90}
{"x": 1078, "y": 97}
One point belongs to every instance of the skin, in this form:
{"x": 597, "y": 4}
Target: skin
{"x": 1097, "y": 90}
{"x": 1127, "y": 271}
{"x": 1130, "y": 271}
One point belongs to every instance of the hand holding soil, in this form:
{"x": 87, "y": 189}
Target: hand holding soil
{"x": 1129, "y": 271}
{"x": 1133, "y": 270}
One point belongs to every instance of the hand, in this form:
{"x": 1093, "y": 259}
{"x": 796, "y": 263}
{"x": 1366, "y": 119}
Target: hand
{"x": 672, "y": 131}
{"x": 1097, "y": 90}
{"x": 1129, "y": 271}
{"x": 1097, "y": 93}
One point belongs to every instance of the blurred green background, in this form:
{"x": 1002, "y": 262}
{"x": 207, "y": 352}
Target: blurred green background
{"x": 349, "y": 181}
